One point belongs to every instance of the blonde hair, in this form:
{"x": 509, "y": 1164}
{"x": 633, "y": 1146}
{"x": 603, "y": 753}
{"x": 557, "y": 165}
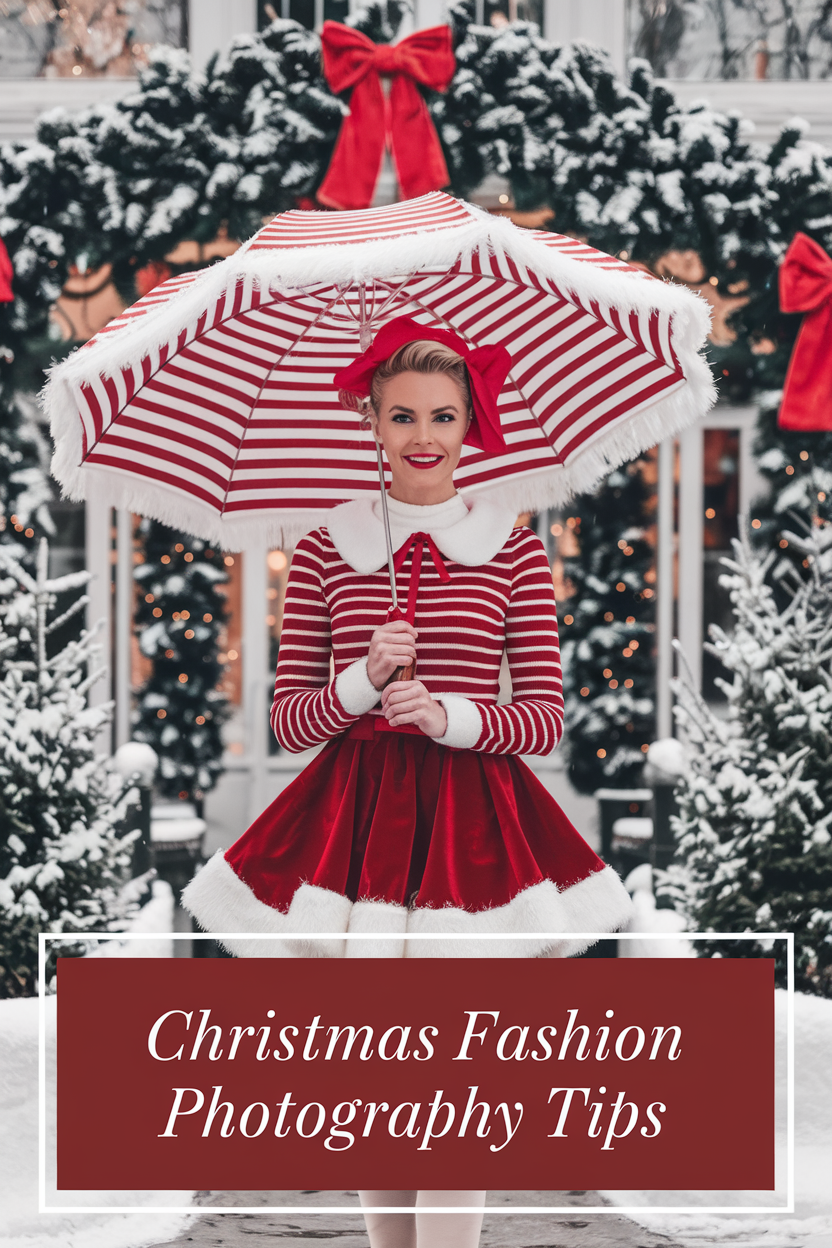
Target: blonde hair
{"x": 421, "y": 356}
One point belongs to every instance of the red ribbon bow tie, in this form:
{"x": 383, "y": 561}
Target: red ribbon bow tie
{"x": 806, "y": 286}
{"x": 416, "y": 542}
{"x": 400, "y": 122}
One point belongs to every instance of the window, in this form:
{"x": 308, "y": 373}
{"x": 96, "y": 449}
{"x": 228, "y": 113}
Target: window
{"x": 84, "y": 38}
{"x": 723, "y": 39}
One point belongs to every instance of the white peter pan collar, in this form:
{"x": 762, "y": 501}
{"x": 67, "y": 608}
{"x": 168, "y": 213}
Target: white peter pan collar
{"x": 469, "y": 533}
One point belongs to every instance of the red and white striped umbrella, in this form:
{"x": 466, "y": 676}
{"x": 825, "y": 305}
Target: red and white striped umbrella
{"x": 209, "y": 403}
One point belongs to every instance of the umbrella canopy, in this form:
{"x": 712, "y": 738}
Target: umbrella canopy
{"x": 209, "y": 403}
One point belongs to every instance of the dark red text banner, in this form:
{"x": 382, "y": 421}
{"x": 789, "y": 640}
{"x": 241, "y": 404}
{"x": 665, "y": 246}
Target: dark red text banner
{"x": 258, "y": 1074}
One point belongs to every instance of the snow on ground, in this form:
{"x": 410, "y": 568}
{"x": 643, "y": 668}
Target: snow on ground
{"x": 21, "y": 1226}
{"x": 811, "y": 1224}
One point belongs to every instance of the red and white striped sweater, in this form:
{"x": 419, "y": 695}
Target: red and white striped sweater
{"x": 498, "y": 596}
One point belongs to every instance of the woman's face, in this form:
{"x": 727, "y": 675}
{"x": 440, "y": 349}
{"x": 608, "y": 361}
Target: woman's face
{"x": 421, "y": 421}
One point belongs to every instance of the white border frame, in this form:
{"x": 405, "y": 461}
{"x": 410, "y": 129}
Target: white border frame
{"x": 788, "y": 1208}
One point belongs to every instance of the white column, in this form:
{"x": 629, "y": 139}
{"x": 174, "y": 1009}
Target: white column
{"x": 123, "y": 625}
{"x": 97, "y": 522}
{"x": 213, "y": 24}
{"x": 691, "y": 521}
{"x": 602, "y": 22}
{"x": 665, "y": 589}
{"x": 256, "y": 676}
{"x": 429, "y": 13}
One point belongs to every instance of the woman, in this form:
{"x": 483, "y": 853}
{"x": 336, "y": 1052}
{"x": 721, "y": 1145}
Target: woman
{"x": 417, "y": 816}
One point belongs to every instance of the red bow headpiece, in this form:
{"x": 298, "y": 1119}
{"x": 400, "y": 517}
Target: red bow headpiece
{"x": 806, "y": 286}
{"x": 401, "y": 121}
{"x": 487, "y": 370}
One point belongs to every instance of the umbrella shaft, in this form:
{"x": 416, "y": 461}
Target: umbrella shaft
{"x": 387, "y": 535}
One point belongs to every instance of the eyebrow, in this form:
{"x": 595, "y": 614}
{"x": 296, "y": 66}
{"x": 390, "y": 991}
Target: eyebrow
{"x": 399, "y": 407}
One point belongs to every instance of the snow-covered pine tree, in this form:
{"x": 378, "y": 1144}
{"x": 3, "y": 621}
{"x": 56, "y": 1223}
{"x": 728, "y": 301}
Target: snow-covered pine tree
{"x": 608, "y": 664}
{"x": 63, "y": 858}
{"x": 754, "y": 831}
{"x": 181, "y": 611}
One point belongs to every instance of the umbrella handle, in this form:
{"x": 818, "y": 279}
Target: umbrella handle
{"x": 404, "y": 673}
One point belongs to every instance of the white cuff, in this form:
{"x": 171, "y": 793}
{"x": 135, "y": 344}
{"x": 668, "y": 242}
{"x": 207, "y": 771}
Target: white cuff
{"x": 354, "y": 689}
{"x": 464, "y": 721}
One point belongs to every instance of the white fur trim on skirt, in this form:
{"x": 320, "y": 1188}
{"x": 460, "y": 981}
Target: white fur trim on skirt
{"x": 222, "y": 903}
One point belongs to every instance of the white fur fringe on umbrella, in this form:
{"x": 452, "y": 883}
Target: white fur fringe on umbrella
{"x": 209, "y": 403}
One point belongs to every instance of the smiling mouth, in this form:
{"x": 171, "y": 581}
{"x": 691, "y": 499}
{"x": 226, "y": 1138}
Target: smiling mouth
{"x": 424, "y": 461}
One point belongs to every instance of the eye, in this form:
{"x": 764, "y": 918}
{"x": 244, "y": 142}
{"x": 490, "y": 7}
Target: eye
{"x": 402, "y": 418}
{"x": 445, "y": 417}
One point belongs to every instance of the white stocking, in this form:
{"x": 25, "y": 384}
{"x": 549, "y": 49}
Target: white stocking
{"x": 422, "y": 1230}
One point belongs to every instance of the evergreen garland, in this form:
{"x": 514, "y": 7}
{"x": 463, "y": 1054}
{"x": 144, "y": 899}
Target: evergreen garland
{"x": 608, "y": 661}
{"x": 181, "y": 610}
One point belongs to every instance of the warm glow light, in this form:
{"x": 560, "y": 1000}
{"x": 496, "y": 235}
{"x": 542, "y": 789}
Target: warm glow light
{"x": 232, "y": 654}
{"x": 504, "y": 199}
{"x": 200, "y": 719}
{"x": 609, "y": 617}
{"x": 183, "y": 678}
{"x": 804, "y": 455}
{"x": 584, "y": 692}
{"x": 161, "y": 714}
{"x": 165, "y": 559}
{"x": 229, "y": 561}
{"x": 556, "y": 530}
{"x": 189, "y": 633}
{"x": 601, "y": 753}
{"x": 207, "y": 617}
{"x": 607, "y": 673}
{"x": 755, "y": 524}
{"x": 628, "y": 684}
{"x": 789, "y": 470}
{"x": 645, "y": 748}
{"x": 569, "y": 619}
{"x": 169, "y": 654}
{"x": 710, "y": 513}
{"x": 783, "y": 543}
{"x": 149, "y": 598}
{"x": 627, "y": 652}
{"x": 621, "y": 587}
{"x": 631, "y": 619}
{"x": 179, "y": 548}
{"x": 157, "y": 611}
{"x": 188, "y": 557}
{"x": 277, "y": 560}
{"x": 613, "y": 684}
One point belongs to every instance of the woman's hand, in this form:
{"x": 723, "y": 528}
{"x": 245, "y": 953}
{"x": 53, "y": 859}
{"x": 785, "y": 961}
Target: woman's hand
{"x": 391, "y": 646}
{"x": 408, "y": 702}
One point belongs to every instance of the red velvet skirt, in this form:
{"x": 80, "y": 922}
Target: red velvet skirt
{"x": 391, "y": 816}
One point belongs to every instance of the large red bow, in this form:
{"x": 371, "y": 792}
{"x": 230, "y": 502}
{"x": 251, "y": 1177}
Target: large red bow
{"x": 400, "y": 121}
{"x": 806, "y": 286}
{"x": 487, "y": 370}
{"x": 6, "y": 275}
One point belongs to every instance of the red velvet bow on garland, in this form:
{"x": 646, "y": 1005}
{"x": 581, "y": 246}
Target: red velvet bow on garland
{"x": 806, "y": 286}
{"x": 400, "y": 121}
{"x": 6, "y": 275}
